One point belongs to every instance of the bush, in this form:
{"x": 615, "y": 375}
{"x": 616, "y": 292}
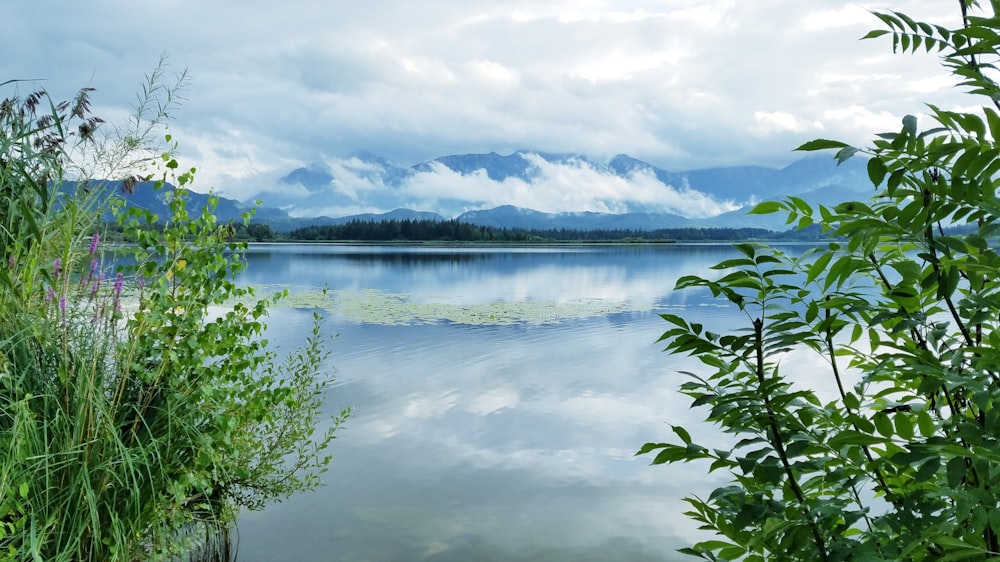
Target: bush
{"x": 137, "y": 408}
{"x": 905, "y": 463}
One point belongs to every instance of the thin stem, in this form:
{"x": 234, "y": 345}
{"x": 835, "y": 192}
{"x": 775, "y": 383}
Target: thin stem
{"x": 973, "y": 63}
{"x": 778, "y": 442}
{"x": 914, "y": 333}
{"x": 879, "y": 477}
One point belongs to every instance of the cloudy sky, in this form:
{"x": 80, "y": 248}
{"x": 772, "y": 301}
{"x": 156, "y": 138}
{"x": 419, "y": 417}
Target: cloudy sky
{"x": 682, "y": 84}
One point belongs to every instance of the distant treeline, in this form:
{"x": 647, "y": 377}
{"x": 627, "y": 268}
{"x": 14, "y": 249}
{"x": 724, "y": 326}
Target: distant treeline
{"x": 410, "y": 230}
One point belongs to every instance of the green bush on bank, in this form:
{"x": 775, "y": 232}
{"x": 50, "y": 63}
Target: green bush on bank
{"x": 903, "y": 462}
{"x": 138, "y": 406}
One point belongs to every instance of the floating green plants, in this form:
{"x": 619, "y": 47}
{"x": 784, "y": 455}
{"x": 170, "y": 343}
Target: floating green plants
{"x": 378, "y": 307}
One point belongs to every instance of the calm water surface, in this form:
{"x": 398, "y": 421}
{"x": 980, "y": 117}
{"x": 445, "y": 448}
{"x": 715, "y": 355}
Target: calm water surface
{"x": 494, "y": 442}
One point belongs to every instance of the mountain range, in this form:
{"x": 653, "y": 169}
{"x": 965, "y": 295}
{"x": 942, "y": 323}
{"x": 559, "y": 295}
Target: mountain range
{"x": 537, "y": 190}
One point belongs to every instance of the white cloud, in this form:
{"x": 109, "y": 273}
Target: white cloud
{"x": 495, "y": 72}
{"x": 930, "y": 84}
{"x": 858, "y": 117}
{"x": 679, "y": 85}
{"x": 768, "y": 122}
{"x": 576, "y": 186}
{"x": 621, "y": 65}
{"x": 334, "y": 211}
{"x": 845, "y": 16}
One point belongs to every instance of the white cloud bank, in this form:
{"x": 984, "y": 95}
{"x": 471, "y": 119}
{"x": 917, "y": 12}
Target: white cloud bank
{"x": 684, "y": 84}
{"x": 573, "y": 186}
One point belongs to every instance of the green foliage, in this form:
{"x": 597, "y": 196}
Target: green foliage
{"x": 137, "y": 409}
{"x": 894, "y": 452}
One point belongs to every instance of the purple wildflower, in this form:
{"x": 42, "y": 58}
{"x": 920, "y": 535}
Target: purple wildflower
{"x": 11, "y": 261}
{"x": 96, "y": 285}
{"x": 56, "y": 267}
{"x": 93, "y": 268}
{"x": 62, "y": 304}
{"x": 142, "y": 282}
{"x": 50, "y": 294}
{"x": 119, "y": 281}
{"x": 94, "y": 240}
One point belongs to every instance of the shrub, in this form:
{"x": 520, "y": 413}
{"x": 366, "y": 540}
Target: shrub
{"x": 138, "y": 407}
{"x": 904, "y": 463}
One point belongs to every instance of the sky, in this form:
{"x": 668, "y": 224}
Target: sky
{"x": 681, "y": 84}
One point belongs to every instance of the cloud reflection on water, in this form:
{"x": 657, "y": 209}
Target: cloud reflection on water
{"x": 499, "y": 442}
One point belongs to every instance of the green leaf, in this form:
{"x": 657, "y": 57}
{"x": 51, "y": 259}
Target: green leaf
{"x": 800, "y": 204}
{"x": 818, "y": 268}
{"x": 822, "y": 144}
{"x": 955, "y": 470}
{"x": 766, "y": 207}
{"x": 883, "y": 424}
{"x": 670, "y": 454}
{"x": 926, "y": 424}
{"x": 957, "y": 549}
{"x": 875, "y": 33}
{"x": 845, "y": 154}
{"x": 876, "y": 171}
{"x": 994, "y": 518}
{"x": 895, "y": 179}
{"x": 851, "y": 401}
{"x": 993, "y": 119}
{"x": 850, "y": 437}
{"x": 910, "y": 125}
{"x": 928, "y": 470}
{"x": 904, "y": 425}
{"x": 650, "y": 447}
{"x": 682, "y": 433}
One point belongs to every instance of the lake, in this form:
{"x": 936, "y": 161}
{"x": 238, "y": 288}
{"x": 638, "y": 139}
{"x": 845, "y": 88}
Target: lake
{"x": 500, "y": 394}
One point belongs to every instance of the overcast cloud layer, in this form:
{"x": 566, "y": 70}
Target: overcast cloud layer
{"x": 682, "y": 84}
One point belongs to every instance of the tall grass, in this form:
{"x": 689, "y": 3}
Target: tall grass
{"x": 134, "y": 413}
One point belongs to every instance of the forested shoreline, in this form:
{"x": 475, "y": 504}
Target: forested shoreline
{"x": 453, "y": 230}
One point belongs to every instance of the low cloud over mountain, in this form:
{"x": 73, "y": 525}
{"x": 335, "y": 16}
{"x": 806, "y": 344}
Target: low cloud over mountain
{"x": 549, "y": 183}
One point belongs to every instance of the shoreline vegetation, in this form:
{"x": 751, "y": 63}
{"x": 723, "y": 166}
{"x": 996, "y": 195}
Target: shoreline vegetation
{"x": 138, "y": 412}
{"x": 422, "y": 231}
{"x": 884, "y": 446}
{"x": 407, "y": 231}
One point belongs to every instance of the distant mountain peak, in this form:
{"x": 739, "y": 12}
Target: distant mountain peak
{"x": 497, "y": 167}
{"x": 313, "y": 178}
{"x": 623, "y": 164}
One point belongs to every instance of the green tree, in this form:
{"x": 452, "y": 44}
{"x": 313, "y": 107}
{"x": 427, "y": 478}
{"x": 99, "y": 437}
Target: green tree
{"x": 904, "y": 464}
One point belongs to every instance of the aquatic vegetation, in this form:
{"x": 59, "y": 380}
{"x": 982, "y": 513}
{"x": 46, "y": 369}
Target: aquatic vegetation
{"x": 378, "y": 307}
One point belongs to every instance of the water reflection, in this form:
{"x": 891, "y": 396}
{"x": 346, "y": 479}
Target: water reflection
{"x": 644, "y": 275}
{"x": 494, "y": 442}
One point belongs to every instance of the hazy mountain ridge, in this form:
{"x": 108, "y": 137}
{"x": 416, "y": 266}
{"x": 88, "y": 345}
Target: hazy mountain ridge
{"x": 470, "y": 187}
{"x": 366, "y": 180}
